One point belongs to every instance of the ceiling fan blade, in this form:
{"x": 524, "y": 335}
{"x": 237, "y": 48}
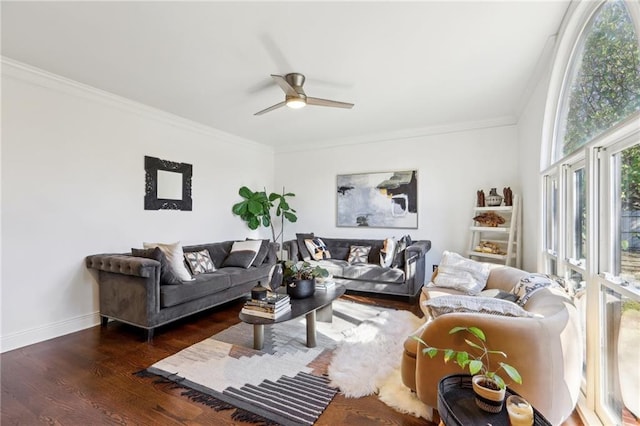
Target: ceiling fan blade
{"x": 328, "y": 103}
{"x": 271, "y": 108}
{"x": 284, "y": 85}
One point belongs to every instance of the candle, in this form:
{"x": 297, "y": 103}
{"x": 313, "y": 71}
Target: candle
{"x": 520, "y": 411}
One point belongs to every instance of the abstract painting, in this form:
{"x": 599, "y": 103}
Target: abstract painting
{"x": 378, "y": 200}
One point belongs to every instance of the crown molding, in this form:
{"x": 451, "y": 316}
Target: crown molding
{"x": 48, "y": 80}
{"x": 407, "y": 134}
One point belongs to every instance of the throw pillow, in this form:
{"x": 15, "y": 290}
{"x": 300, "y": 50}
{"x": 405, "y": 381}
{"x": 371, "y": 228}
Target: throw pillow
{"x": 387, "y": 252}
{"x": 530, "y": 284}
{"x": 262, "y": 253}
{"x": 175, "y": 256}
{"x": 498, "y": 294}
{"x": 317, "y": 248}
{"x": 242, "y": 253}
{"x": 199, "y": 262}
{"x": 475, "y": 304}
{"x": 359, "y": 254}
{"x": 167, "y": 277}
{"x": 457, "y": 272}
{"x": 303, "y": 253}
{"x": 398, "y": 255}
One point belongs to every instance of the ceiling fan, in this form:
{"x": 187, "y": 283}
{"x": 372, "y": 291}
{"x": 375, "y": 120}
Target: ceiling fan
{"x": 295, "y": 97}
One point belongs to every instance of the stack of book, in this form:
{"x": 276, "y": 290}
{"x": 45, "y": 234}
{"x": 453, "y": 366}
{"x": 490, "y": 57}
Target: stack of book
{"x": 273, "y": 307}
{"x": 325, "y": 285}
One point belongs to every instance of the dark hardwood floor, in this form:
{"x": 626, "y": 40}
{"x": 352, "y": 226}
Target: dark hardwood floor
{"x": 87, "y": 378}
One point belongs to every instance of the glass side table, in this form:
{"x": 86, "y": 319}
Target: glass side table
{"x": 457, "y": 405}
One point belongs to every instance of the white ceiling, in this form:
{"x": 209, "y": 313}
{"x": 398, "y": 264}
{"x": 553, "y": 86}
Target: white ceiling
{"x": 407, "y": 66}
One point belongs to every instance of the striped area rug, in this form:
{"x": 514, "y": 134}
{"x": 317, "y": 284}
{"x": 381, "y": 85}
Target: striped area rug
{"x": 283, "y": 384}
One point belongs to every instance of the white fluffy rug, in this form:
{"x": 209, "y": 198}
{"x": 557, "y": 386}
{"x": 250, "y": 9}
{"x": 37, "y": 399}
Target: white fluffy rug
{"x": 368, "y": 361}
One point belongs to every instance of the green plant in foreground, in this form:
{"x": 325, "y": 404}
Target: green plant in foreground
{"x": 478, "y": 362}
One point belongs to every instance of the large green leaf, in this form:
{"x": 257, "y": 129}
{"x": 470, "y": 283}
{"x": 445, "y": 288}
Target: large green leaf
{"x": 256, "y": 207}
{"x": 511, "y": 372}
{"x": 477, "y": 332}
{"x": 245, "y": 192}
{"x": 240, "y": 208}
{"x": 253, "y": 223}
{"x": 475, "y": 366}
{"x": 290, "y": 217}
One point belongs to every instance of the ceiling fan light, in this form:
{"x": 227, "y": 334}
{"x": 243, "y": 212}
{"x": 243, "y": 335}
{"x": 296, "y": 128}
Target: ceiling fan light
{"x": 296, "y": 103}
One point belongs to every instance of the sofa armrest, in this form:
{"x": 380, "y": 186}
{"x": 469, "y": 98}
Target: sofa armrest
{"x": 129, "y": 288}
{"x": 414, "y": 265}
{"x": 124, "y": 264}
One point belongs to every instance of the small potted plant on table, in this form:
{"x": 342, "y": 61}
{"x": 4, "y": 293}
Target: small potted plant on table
{"x": 488, "y": 386}
{"x": 300, "y": 278}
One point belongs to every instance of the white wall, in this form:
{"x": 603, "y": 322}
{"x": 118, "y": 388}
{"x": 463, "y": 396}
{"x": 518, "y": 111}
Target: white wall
{"x": 451, "y": 168}
{"x": 530, "y": 131}
{"x": 73, "y": 184}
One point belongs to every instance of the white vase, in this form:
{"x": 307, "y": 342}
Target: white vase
{"x": 487, "y": 399}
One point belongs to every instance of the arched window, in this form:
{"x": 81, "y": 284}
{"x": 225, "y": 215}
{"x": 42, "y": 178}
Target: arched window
{"x": 603, "y": 85}
{"x": 591, "y": 193}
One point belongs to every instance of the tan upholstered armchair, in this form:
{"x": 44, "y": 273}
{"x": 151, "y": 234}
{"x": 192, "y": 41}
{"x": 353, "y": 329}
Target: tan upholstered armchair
{"x": 546, "y": 350}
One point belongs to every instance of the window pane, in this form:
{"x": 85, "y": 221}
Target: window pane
{"x": 579, "y": 217}
{"x": 551, "y": 214}
{"x": 620, "y": 369}
{"x": 577, "y": 286}
{"x": 627, "y": 170}
{"x": 603, "y": 87}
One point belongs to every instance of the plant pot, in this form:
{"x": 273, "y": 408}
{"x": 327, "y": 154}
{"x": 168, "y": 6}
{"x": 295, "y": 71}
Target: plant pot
{"x": 301, "y": 288}
{"x": 487, "y": 399}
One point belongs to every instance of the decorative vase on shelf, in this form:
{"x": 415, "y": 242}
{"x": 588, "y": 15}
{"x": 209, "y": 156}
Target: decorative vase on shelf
{"x": 493, "y": 199}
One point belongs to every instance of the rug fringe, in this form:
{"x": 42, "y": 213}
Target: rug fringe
{"x": 239, "y": 414}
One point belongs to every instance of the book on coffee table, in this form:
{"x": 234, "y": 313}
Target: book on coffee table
{"x": 274, "y": 300}
{"x": 266, "y": 312}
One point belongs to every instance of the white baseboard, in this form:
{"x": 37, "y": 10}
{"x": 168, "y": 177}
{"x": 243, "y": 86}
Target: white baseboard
{"x": 49, "y": 331}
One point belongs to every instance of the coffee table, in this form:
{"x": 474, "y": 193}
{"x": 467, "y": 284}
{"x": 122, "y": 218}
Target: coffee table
{"x": 317, "y": 307}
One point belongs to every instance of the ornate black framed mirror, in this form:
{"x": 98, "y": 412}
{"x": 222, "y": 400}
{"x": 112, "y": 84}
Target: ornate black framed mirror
{"x": 167, "y": 185}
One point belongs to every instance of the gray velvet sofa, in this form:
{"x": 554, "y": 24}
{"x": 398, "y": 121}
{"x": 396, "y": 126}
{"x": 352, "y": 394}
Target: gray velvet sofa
{"x": 404, "y": 280}
{"x": 130, "y": 287}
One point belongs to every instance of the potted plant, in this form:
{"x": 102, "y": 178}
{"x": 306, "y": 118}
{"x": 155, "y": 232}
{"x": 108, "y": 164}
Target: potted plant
{"x": 300, "y": 278}
{"x": 255, "y": 209}
{"x": 488, "y": 386}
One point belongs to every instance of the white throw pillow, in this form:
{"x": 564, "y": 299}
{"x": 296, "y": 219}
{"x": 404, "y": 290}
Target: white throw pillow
{"x": 387, "y": 252}
{"x": 484, "y": 305}
{"x": 175, "y": 256}
{"x": 460, "y": 273}
{"x": 530, "y": 284}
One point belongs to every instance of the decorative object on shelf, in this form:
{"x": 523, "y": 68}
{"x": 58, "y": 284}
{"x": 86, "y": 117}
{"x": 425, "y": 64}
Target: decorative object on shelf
{"x": 508, "y": 196}
{"x": 493, "y": 199}
{"x": 167, "y": 185}
{"x": 489, "y": 247}
{"x": 480, "y": 198}
{"x": 491, "y": 219}
{"x": 300, "y": 278}
{"x": 378, "y": 200}
{"x": 255, "y": 209}
{"x": 488, "y": 386}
